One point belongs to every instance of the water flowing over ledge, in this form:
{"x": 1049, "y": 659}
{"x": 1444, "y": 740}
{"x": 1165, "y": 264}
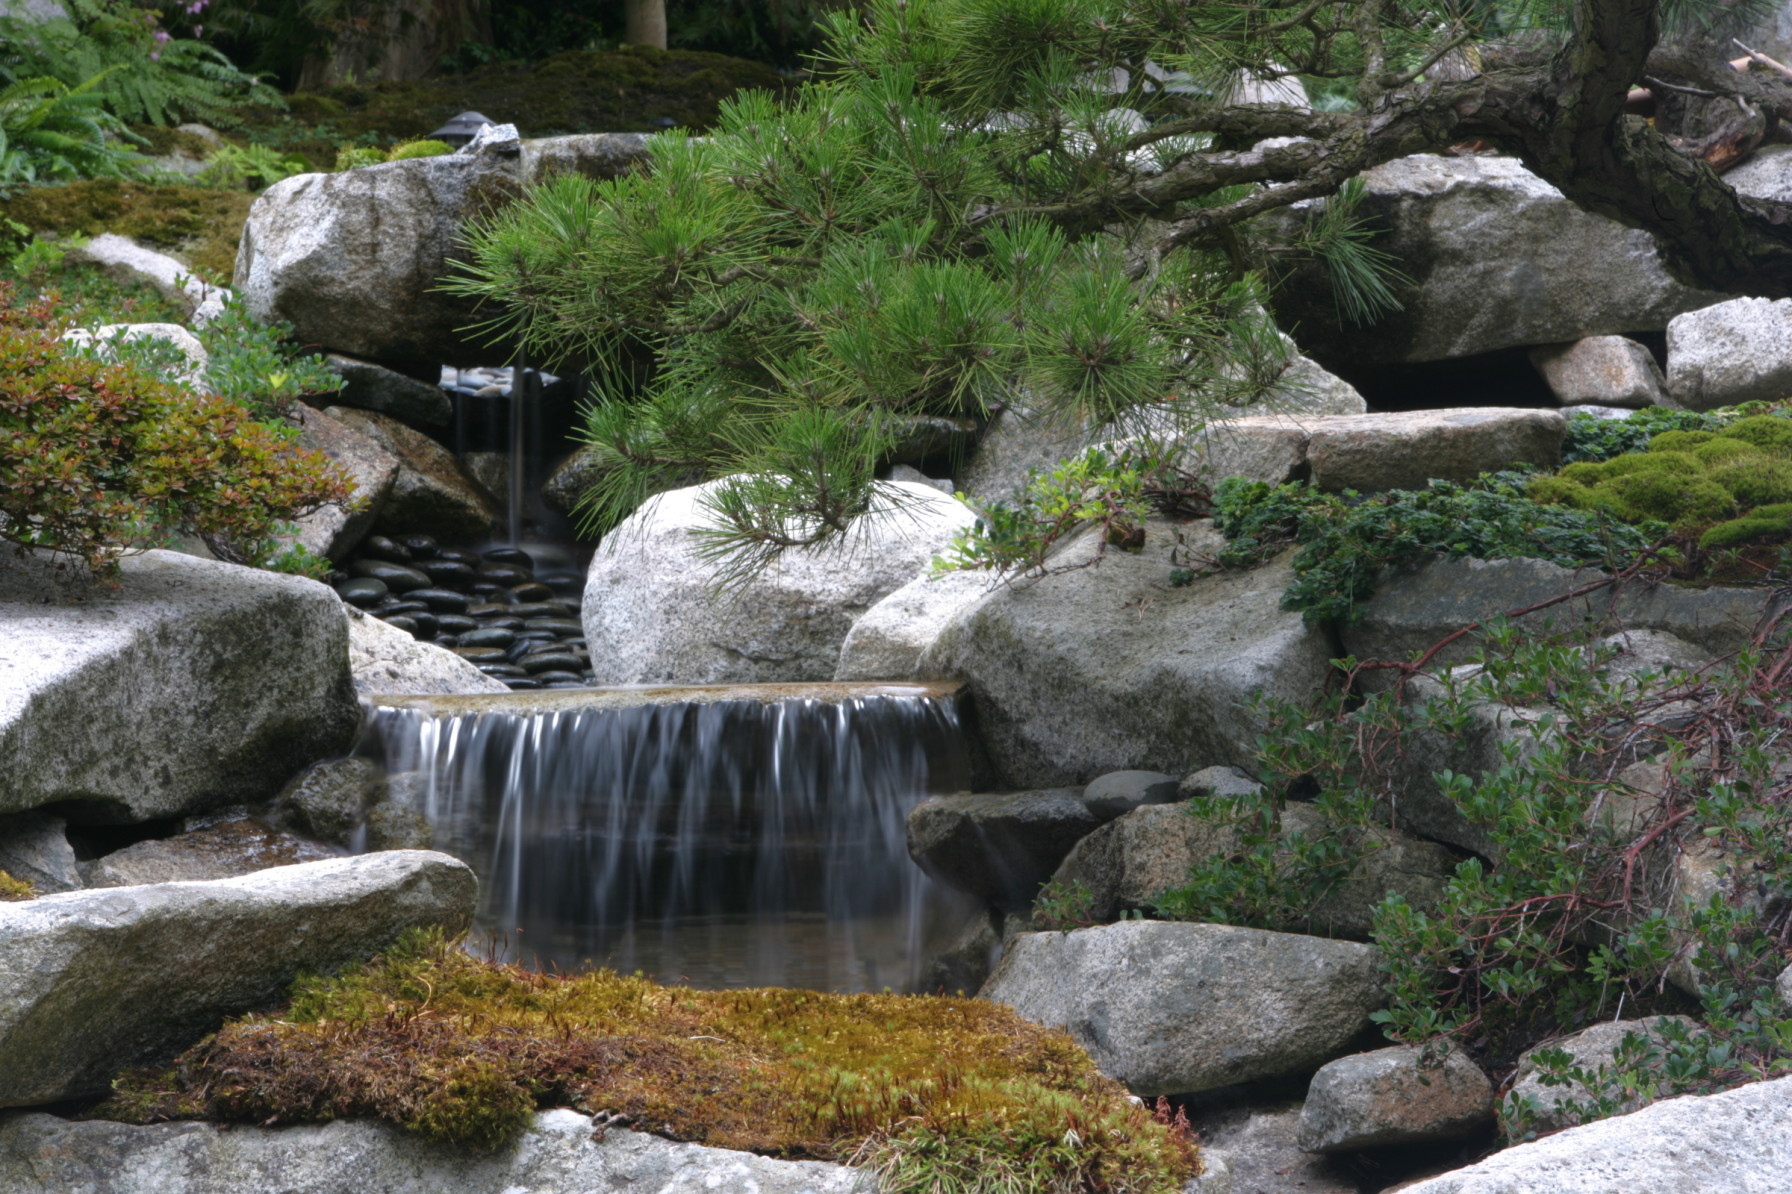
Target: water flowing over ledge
{"x": 722, "y": 836}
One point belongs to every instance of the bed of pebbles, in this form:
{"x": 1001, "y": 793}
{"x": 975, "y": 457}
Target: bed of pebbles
{"x": 491, "y": 607}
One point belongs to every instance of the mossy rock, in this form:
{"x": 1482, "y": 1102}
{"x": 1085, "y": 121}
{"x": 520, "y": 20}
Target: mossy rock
{"x": 464, "y": 1051}
{"x": 163, "y": 140}
{"x": 1765, "y": 524}
{"x": 636, "y": 89}
{"x": 15, "y": 889}
{"x": 1755, "y": 481}
{"x": 199, "y": 225}
{"x": 1680, "y": 441}
{"x": 1719, "y": 449}
{"x": 1764, "y": 431}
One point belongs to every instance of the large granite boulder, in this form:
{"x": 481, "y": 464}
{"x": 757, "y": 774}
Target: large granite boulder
{"x": 1128, "y": 863}
{"x": 998, "y": 846}
{"x": 1168, "y": 1007}
{"x": 354, "y": 260}
{"x": 1106, "y": 666}
{"x": 1414, "y": 608}
{"x": 657, "y": 611}
{"x": 1532, "y": 1105}
{"x": 1738, "y": 351}
{"x": 1394, "y": 1096}
{"x": 561, "y": 1151}
{"x": 333, "y": 531}
{"x": 1497, "y": 258}
{"x": 889, "y": 641}
{"x": 186, "y": 684}
{"x": 1734, "y": 1142}
{"x": 1601, "y": 371}
{"x": 431, "y": 493}
{"x": 227, "y": 850}
{"x": 388, "y": 661}
{"x": 94, "y": 981}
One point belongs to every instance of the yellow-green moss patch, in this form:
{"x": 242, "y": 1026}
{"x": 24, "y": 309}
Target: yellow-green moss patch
{"x": 15, "y": 889}
{"x": 463, "y": 1050}
{"x": 200, "y": 225}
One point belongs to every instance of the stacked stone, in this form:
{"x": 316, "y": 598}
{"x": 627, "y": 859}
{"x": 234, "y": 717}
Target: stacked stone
{"x": 488, "y": 607}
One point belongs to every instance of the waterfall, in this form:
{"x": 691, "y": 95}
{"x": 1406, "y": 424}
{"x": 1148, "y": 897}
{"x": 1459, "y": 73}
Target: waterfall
{"x": 715, "y": 836}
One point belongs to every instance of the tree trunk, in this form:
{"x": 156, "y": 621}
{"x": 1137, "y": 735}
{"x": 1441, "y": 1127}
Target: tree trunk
{"x": 646, "y": 23}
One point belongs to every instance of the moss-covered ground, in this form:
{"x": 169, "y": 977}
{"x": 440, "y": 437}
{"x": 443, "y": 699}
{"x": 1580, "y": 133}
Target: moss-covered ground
{"x": 200, "y": 225}
{"x": 1722, "y": 488}
{"x": 15, "y": 889}
{"x": 636, "y": 89}
{"x": 933, "y": 1093}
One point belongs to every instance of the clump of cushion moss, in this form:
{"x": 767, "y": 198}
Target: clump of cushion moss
{"x": 1707, "y": 484}
{"x": 464, "y": 1051}
{"x": 200, "y": 224}
{"x": 15, "y": 889}
{"x": 425, "y": 148}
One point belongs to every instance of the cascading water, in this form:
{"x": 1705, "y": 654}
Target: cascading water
{"x": 720, "y": 837}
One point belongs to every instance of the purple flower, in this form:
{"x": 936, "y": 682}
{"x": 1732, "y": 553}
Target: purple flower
{"x": 161, "y": 35}
{"x": 195, "y": 8}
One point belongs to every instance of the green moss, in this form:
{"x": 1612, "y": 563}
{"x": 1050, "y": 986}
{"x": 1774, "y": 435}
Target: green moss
{"x": 353, "y": 157}
{"x": 1768, "y": 522}
{"x": 419, "y": 149}
{"x": 163, "y": 140}
{"x": 1764, "y": 431}
{"x": 1673, "y": 464}
{"x": 1559, "y": 490}
{"x": 15, "y": 889}
{"x": 1720, "y": 448}
{"x": 1680, "y": 441}
{"x": 1667, "y": 497}
{"x": 633, "y": 89}
{"x": 198, "y": 224}
{"x": 1756, "y": 481}
{"x": 1585, "y": 472}
{"x": 463, "y": 1050}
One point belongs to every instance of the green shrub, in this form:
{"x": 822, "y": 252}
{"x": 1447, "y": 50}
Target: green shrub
{"x": 52, "y": 132}
{"x": 353, "y": 157}
{"x": 95, "y": 458}
{"x": 1346, "y": 541}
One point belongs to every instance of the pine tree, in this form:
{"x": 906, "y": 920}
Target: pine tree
{"x": 1050, "y": 203}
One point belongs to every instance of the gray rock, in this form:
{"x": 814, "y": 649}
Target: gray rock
{"x": 1119, "y": 792}
{"x": 1590, "y": 1049}
{"x": 889, "y": 641}
{"x": 1782, "y": 988}
{"x": 1416, "y": 607}
{"x": 654, "y": 610}
{"x": 1394, "y": 1096}
{"x": 998, "y": 846}
{"x": 1602, "y": 370}
{"x": 1171, "y": 1008}
{"x": 370, "y": 386}
{"x": 964, "y": 965}
{"x": 34, "y": 847}
{"x": 353, "y": 260}
{"x": 1014, "y": 442}
{"x": 329, "y": 799}
{"x": 563, "y": 1152}
{"x": 1734, "y": 1142}
{"x": 1128, "y": 863}
{"x": 1498, "y": 258}
{"x": 236, "y": 678}
{"x": 387, "y": 661}
{"x": 913, "y": 475}
{"x": 94, "y": 981}
{"x": 128, "y": 261}
{"x": 490, "y": 469}
{"x": 1218, "y": 781}
{"x": 1270, "y": 448}
{"x": 1257, "y": 1142}
{"x": 333, "y": 531}
{"x": 1733, "y": 352}
{"x": 571, "y": 478}
{"x": 1767, "y": 173}
{"x": 222, "y": 851}
{"x": 432, "y": 494}
{"x": 97, "y": 339}
{"x": 393, "y": 826}
{"x": 1108, "y": 667}
{"x": 1405, "y": 450}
